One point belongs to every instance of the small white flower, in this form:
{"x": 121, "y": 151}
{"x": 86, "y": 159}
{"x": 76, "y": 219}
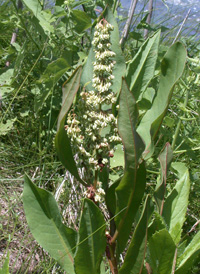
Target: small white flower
{"x": 101, "y": 191}
{"x": 104, "y": 161}
{"x": 97, "y": 198}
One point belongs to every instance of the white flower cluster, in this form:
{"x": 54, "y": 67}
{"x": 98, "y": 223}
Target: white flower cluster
{"x": 85, "y": 128}
{"x": 103, "y": 66}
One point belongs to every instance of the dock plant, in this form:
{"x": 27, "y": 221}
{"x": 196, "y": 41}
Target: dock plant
{"x": 104, "y": 139}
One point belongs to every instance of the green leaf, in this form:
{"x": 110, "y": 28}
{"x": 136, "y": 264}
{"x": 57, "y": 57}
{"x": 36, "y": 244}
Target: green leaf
{"x": 70, "y": 88}
{"x": 171, "y": 69}
{"x": 134, "y": 260}
{"x": 127, "y": 122}
{"x": 129, "y": 195}
{"x": 180, "y": 168}
{"x": 156, "y": 225}
{"x": 147, "y": 99}
{"x": 118, "y": 158}
{"x": 131, "y": 188}
{"x": 5, "y": 267}
{"x": 45, "y": 18}
{"x": 62, "y": 142}
{"x": 162, "y": 249}
{"x": 8, "y": 126}
{"x": 49, "y": 78}
{"x": 5, "y": 82}
{"x": 46, "y": 225}
{"x": 140, "y": 70}
{"x": 19, "y": 60}
{"x": 81, "y": 19}
{"x": 175, "y": 207}
{"x": 111, "y": 197}
{"x": 186, "y": 260}
{"x": 87, "y": 74}
{"x": 165, "y": 159}
{"x": 91, "y": 240}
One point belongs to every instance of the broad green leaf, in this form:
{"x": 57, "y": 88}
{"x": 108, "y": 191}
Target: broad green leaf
{"x": 131, "y": 188}
{"x": 91, "y": 240}
{"x": 119, "y": 68}
{"x": 140, "y": 70}
{"x": 127, "y": 122}
{"x": 180, "y": 168}
{"x": 134, "y": 260}
{"x": 118, "y": 158}
{"x": 185, "y": 261}
{"x": 161, "y": 252}
{"x": 44, "y": 17}
{"x": 175, "y": 207}
{"x": 46, "y": 225}
{"x": 165, "y": 159}
{"x": 181, "y": 248}
{"x": 147, "y": 99}
{"x": 5, "y": 267}
{"x": 62, "y": 142}
{"x": 49, "y": 78}
{"x": 156, "y": 225}
{"x": 171, "y": 69}
{"x": 129, "y": 195}
{"x": 81, "y": 19}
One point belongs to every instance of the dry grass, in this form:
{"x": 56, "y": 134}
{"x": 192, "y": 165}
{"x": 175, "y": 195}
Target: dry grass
{"x": 25, "y": 254}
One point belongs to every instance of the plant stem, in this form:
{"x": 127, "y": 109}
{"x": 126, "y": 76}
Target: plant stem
{"x": 150, "y": 10}
{"x": 128, "y": 22}
{"x": 174, "y": 261}
{"x": 95, "y": 179}
{"x": 177, "y": 35}
{"x": 112, "y": 260}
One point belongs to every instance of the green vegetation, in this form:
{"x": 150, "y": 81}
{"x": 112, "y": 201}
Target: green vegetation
{"x": 71, "y": 95}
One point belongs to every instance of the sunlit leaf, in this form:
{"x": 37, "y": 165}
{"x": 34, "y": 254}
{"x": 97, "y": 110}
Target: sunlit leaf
{"x": 8, "y": 126}
{"x": 175, "y": 206}
{"x": 44, "y": 17}
{"x": 141, "y": 69}
{"x": 171, "y": 69}
{"x": 186, "y": 260}
{"x": 46, "y": 225}
{"x": 161, "y": 249}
